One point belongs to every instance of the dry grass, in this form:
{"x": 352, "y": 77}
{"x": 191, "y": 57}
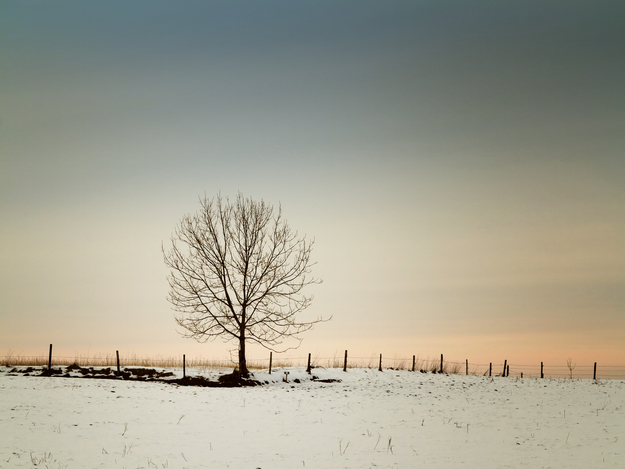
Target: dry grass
{"x": 336, "y": 361}
{"x": 431, "y": 365}
{"x": 110, "y": 360}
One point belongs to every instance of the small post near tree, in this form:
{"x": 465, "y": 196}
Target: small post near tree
{"x": 238, "y": 272}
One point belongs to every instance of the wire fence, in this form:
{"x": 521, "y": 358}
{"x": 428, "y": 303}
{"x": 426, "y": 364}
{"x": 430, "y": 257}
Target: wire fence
{"x": 380, "y": 362}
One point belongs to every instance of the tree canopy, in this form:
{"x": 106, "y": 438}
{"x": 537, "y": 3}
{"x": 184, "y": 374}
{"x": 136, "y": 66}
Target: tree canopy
{"x": 238, "y": 271}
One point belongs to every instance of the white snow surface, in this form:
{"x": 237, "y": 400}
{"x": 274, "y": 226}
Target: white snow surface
{"x": 371, "y": 419}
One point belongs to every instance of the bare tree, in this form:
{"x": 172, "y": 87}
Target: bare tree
{"x": 238, "y": 272}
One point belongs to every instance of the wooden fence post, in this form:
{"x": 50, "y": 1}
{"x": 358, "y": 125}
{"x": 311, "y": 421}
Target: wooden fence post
{"x": 413, "y": 362}
{"x": 508, "y": 371}
{"x": 117, "y": 353}
{"x": 270, "y": 357}
{"x": 380, "y": 367}
{"x": 594, "y": 373}
{"x": 490, "y": 369}
{"x": 308, "y": 367}
{"x": 50, "y": 358}
{"x": 467, "y": 364}
{"x": 441, "y": 363}
{"x": 505, "y": 362}
{"x": 184, "y": 366}
{"x": 345, "y": 362}
{"x": 542, "y": 374}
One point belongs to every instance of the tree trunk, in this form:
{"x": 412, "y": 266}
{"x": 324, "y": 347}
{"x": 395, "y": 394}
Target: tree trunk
{"x": 242, "y": 362}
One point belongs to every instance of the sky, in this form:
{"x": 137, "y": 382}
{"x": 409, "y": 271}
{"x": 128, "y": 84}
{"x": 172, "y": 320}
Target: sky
{"x": 460, "y": 166}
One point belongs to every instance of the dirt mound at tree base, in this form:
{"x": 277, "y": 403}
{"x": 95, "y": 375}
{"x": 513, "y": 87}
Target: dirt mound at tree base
{"x": 235, "y": 379}
{"x": 225, "y": 381}
{"x": 232, "y": 380}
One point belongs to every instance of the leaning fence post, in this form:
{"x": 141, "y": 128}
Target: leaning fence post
{"x": 413, "y": 362}
{"x": 380, "y": 367}
{"x": 441, "y": 362}
{"x": 184, "y": 366}
{"x": 508, "y": 371}
{"x": 594, "y": 373}
{"x": 50, "y": 358}
{"x": 308, "y": 367}
{"x": 345, "y": 362}
{"x": 505, "y": 362}
{"x": 117, "y": 353}
{"x": 270, "y": 357}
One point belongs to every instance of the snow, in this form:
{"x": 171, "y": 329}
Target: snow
{"x": 370, "y": 419}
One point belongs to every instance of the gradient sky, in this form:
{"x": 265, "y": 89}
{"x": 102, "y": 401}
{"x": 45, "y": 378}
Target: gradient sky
{"x": 461, "y": 166}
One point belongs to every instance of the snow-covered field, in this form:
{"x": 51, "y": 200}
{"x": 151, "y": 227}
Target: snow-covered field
{"x": 396, "y": 419}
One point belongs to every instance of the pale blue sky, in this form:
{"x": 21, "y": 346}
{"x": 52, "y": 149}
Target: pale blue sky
{"x": 460, "y": 165}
